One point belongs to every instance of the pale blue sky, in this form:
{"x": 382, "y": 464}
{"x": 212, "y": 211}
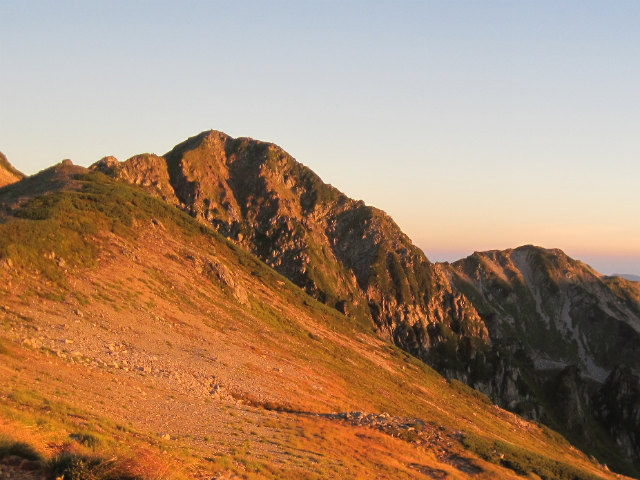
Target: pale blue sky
{"x": 476, "y": 125}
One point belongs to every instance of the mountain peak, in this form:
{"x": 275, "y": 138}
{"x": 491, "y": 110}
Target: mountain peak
{"x": 541, "y": 250}
{"x": 207, "y": 138}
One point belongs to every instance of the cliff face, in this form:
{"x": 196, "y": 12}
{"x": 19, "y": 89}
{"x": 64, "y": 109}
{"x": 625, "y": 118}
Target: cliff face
{"x": 530, "y": 327}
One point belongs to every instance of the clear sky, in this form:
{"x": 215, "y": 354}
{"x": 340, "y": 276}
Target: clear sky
{"x": 476, "y": 125}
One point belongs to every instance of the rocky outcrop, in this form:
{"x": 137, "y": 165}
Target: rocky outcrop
{"x": 146, "y": 170}
{"x": 8, "y": 174}
{"x": 221, "y": 274}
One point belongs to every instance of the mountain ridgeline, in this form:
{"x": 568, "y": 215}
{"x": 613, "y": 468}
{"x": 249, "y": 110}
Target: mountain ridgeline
{"x": 540, "y": 333}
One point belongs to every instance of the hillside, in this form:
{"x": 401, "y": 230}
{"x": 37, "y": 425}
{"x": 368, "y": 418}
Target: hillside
{"x": 137, "y": 343}
{"x": 502, "y": 322}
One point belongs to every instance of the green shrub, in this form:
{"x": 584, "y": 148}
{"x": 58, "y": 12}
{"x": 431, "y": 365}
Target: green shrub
{"x": 73, "y": 466}
{"x": 523, "y": 461}
{"x": 87, "y": 439}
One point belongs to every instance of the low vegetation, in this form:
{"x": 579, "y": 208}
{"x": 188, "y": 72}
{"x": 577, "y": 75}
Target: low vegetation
{"x": 524, "y": 462}
{"x": 71, "y": 465}
{"x": 55, "y": 231}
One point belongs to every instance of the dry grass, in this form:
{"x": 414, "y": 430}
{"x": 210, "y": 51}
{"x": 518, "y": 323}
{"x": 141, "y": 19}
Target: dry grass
{"x": 180, "y": 331}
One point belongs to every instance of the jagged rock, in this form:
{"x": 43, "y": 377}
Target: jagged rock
{"x": 146, "y": 170}
{"x": 224, "y": 275}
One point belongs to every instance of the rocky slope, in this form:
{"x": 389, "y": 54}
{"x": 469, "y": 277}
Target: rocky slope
{"x": 530, "y": 327}
{"x": 137, "y": 343}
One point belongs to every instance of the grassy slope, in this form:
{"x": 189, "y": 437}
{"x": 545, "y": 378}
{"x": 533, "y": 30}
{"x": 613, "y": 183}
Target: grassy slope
{"x": 113, "y": 325}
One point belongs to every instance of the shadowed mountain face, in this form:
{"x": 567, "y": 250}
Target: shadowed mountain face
{"x": 561, "y": 309}
{"x": 8, "y": 174}
{"x": 530, "y": 327}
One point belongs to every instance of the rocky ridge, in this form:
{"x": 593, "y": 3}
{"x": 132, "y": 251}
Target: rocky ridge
{"x": 566, "y": 330}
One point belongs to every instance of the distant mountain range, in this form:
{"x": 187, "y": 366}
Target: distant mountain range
{"x": 541, "y": 334}
{"x": 628, "y": 276}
